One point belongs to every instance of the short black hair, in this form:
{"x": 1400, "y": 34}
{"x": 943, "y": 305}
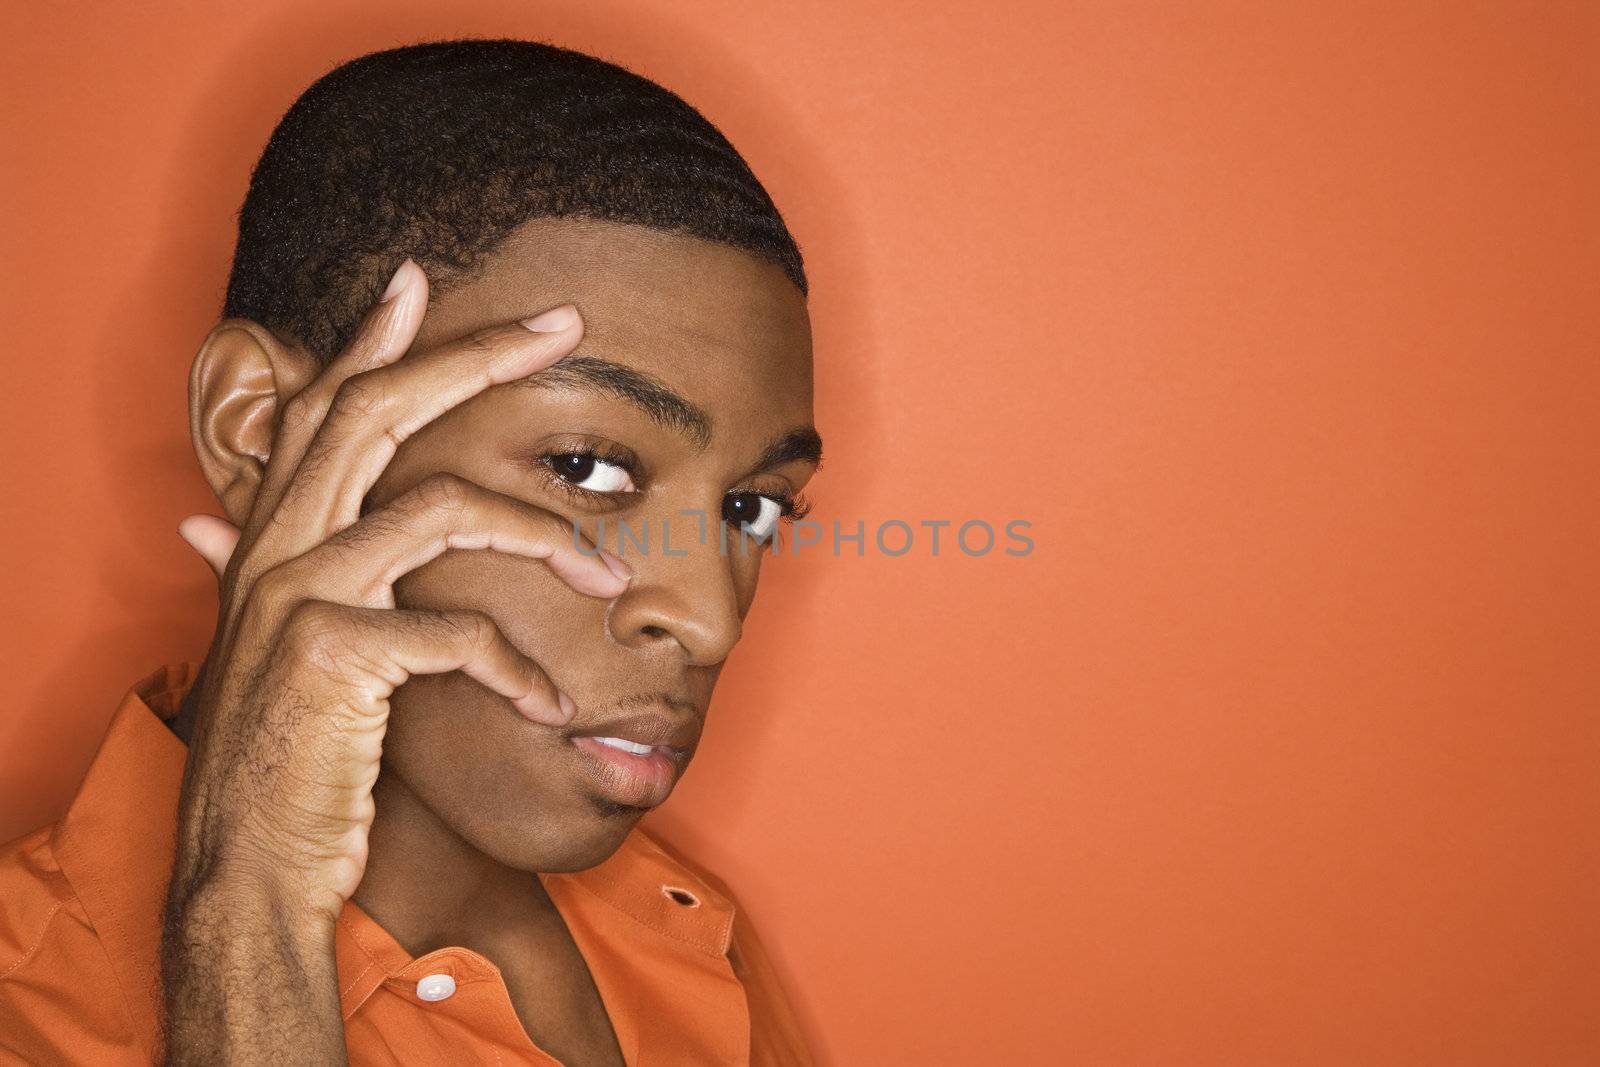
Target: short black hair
{"x": 438, "y": 151}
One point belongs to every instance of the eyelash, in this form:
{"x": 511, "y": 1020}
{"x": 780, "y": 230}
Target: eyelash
{"x": 599, "y": 452}
{"x": 794, "y": 507}
{"x": 791, "y": 508}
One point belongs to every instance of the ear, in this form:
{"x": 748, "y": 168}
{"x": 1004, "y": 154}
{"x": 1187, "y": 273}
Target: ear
{"x": 240, "y": 380}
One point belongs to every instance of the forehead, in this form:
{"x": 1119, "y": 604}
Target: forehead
{"x": 728, "y": 330}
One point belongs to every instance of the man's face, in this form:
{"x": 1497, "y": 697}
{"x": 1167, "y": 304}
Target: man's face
{"x": 715, "y": 419}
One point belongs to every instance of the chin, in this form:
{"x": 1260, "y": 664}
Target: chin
{"x": 584, "y": 834}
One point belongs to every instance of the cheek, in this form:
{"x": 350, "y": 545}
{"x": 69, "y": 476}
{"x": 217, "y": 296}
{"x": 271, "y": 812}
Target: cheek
{"x": 455, "y": 744}
{"x": 449, "y": 729}
{"x": 561, "y": 630}
{"x": 501, "y": 782}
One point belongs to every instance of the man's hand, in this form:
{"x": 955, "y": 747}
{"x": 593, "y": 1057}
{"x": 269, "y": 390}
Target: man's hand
{"x": 294, "y": 698}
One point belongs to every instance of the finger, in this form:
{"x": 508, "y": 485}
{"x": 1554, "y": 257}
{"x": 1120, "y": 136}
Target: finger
{"x": 374, "y": 412}
{"x": 379, "y": 649}
{"x": 213, "y": 538}
{"x": 359, "y": 564}
{"x": 385, "y": 333}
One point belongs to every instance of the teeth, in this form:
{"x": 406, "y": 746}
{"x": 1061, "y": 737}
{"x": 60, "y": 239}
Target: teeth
{"x": 626, "y": 746}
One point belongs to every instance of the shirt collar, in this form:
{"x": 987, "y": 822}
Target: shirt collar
{"x": 117, "y": 841}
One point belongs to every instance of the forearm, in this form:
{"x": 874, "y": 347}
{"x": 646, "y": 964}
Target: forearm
{"x": 247, "y": 979}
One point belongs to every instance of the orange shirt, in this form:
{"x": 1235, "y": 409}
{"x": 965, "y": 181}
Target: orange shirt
{"x": 681, "y": 973}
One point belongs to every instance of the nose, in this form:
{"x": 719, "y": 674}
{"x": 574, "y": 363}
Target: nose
{"x": 690, "y": 600}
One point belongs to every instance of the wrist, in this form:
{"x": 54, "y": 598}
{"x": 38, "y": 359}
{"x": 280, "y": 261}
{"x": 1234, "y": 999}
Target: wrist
{"x": 247, "y": 972}
{"x": 252, "y": 900}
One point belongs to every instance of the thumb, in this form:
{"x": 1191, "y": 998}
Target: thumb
{"x": 212, "y": 537}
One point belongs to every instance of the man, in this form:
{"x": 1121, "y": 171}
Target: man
{"x": 491, "y": 300}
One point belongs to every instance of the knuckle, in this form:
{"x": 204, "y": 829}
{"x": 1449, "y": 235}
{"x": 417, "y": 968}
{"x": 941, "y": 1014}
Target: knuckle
{"x": 361, "y": 396}
{"x": 270, "y": 586}
{"x": 314, "y": 631}
{"x": 484, "y": 340}
{"x": 366, "y": 531}
{"x": 297, "y": 411}
{"x": 444, "y": 491}
{"x": 476, "y": 628}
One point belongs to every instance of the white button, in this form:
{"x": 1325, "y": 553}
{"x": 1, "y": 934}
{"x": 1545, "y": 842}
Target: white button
{"x": 436, "y": 987}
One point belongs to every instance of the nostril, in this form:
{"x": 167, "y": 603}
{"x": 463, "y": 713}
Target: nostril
{"x": 653, "y": 631}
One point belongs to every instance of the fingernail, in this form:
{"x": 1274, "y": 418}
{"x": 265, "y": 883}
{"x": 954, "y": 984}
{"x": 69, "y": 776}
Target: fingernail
{"x": 568, "y": 708}
{"x": 401, "y": 279}
{"x": 556, "y": 320}
{"x": 616, "y": 566}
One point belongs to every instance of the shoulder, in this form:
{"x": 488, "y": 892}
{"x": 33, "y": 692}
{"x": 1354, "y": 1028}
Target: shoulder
{"x": 58, "y": 996}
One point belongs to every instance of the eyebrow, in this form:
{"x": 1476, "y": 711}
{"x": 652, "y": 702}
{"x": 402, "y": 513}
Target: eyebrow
{"x": 650, "y": 395}
{"x": 802, "y": 443}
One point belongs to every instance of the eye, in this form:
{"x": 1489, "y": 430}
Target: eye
{"x": 590, "y": 472}
{"x": 758, "y": 514}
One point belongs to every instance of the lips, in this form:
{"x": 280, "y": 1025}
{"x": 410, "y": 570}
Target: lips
{"x": 673, "y": 725}
{"x": 640, "y": 780}
{"x": 636, "y": 759}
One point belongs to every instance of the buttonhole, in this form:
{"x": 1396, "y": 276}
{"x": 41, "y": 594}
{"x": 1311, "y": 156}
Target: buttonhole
{"x": 680, "y": 896}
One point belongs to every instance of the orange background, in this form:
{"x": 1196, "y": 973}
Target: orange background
{"x": 1277, "y": 320}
